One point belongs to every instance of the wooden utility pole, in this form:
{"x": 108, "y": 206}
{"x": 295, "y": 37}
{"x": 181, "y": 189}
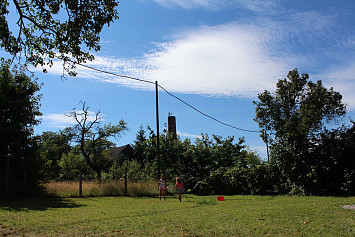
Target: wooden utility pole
{"x": 267, "y": 145}
{"x": 157, "y": 115}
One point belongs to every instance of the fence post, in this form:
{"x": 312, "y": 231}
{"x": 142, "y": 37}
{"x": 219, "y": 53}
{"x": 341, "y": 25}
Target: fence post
{"x": 7, "y": 177}
{"x": 81, "y": 184}
{"x": 125, "y": 181}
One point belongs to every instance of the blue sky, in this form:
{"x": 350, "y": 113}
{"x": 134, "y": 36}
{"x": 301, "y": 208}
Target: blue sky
{"x": 215, "y": 55}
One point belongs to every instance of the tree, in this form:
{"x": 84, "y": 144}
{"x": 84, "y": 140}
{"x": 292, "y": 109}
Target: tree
{"x": 52, "y": 146}
{"x": 209, "y": 166}
{"x": 333, "y": 169}
{"x": 173, "y": 161}
{"x": 92, "y": 137}
{"x": 227, "y": 154}
{"x": 139, "y": 145}
{"x": 292, "y": 117}
{"x": 72, "y": 165}
{"x": 63, "y": 29}
{"x": 19, "y": 106}
{"x": 221, "y": 166}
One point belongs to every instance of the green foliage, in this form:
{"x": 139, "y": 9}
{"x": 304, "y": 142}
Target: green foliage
{"x": 99, "y": 159}
{"x": 292, "y": 117}
{"x": 72, "y": 165}
{"x": 52, "y": 146}
{"x": 304, "y": 160}
{"x": 19, "y": 106}
{"x": 135, "y": 171}
{"x": 56, "y": 29}
{"x": 298, "y": 108}
{"x": 254, "y": 179}
{"x": 333, "y": 167}
{"x": 140, "y": 145}
{"x": 210, "y": 166}
{"x": 222, "y": 166}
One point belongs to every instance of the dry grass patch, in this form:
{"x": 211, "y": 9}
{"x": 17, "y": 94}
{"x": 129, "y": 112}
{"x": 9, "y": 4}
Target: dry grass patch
{"x": 94, "y": 189}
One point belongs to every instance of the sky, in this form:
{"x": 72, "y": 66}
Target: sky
{"x": 215, "y": 55}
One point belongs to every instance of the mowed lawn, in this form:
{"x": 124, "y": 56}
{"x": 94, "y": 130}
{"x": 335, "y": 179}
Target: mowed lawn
{"x": 195, "y": 216}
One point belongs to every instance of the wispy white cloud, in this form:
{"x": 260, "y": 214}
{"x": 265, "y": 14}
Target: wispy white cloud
{"x": 237, "y": 59}
{"x": 261, "y": 150}
{"x": 253, "y": 5}
{"x": 343, "y": 80}
{"x": 57, "y": 120}
{"x": 188, "y": 135}
{"x": 308, "y": 21}
{"x": 227, "y": 59}
{"x": 60, "y": 118}
{"x": 62, "y": 121}
{"x": 120, "y": 66}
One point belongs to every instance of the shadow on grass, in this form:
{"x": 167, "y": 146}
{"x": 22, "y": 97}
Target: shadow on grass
{"x": 97, "y": 219}
{"x": 38, "y": 204}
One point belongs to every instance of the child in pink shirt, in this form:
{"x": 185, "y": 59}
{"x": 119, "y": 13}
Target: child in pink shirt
{"x": 179, "y": 187}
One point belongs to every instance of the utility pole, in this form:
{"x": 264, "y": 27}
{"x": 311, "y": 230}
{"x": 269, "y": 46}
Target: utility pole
{"x": 266, "y": 140}
{"x": 267, "y": 151}
{"x": 157, "y": 114}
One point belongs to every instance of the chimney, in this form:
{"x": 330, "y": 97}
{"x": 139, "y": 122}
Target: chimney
{"x": 172, "y": 125}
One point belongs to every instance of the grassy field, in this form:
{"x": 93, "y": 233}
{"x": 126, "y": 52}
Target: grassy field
{"x": 194, "y": 216}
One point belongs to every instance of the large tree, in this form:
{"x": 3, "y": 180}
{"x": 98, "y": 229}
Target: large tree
{"x": 52, "y": 146}
{"x": 140, "y": 145}
{"x": 93, "y": 137}
{"x": 47, "y": 29}
{"x": 19, "y": 106}
{"x": 292, "y": 117}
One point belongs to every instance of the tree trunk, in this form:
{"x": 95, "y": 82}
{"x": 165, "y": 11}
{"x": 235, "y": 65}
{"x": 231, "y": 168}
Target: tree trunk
{"x": 98, "y": 176}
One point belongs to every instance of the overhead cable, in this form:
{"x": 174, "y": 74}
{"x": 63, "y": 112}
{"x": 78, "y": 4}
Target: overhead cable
{"x": 117, "y": 75}
{"x": 206, "y": 115}
{"x": 150, "y": 82}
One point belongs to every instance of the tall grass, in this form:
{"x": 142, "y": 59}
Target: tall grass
{"x": 93, "y": 189}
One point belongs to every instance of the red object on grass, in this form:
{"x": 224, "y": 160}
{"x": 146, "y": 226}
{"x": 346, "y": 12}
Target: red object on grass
{"x": 220, "y": 198}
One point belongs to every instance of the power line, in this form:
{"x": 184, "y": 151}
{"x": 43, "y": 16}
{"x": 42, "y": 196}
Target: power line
{"x": 117, "y": 75}
{"x": 181, "y": 100}
{"x": 206, "y": 115}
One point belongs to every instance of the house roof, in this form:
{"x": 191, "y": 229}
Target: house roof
{"x": 125, "y": 150}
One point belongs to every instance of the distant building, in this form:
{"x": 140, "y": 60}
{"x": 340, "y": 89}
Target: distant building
{"x": 122, "y": 153}
{"x": 172, "y": 125}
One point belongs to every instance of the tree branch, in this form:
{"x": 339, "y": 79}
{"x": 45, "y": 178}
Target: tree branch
{"x": 23, "y": 16}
